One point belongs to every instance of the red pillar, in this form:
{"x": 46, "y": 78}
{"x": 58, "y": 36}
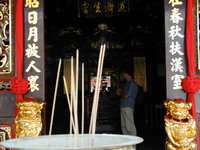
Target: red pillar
{"x": 190, "y": 50}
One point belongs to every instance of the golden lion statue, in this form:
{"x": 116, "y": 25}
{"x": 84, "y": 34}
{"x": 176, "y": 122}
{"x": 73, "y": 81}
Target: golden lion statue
{"x": 180, "y": 126}
{"x": 28, "y": 120}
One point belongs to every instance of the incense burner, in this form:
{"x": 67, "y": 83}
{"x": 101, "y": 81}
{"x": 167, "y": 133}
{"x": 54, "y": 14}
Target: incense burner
{"x": 75, "y": 142}
{"x": 28, "y": 120}
{"x": 180, "y": 126}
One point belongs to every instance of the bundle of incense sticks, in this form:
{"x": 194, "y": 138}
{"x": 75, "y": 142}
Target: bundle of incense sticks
{"x": 72, "y": 98}
{"x": 93, "y": 119}
{"x": 54, "y": 98}
{"x": 82, "y": 98}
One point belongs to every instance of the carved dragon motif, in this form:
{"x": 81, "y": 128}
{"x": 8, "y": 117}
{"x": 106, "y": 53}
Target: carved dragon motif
{"x": 4, "y": 38}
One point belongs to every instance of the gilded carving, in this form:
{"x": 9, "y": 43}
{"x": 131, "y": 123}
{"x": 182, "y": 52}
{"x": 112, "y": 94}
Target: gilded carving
{"x": 110, "y": 7}
{"x": 28, "y": 120}
{"x": 122, "y": 6}
{"x": 85, "y": 7}
{"x": 2, "y": 135}
{"x": 180, "y": 126}
{"x": 97, "y": 7}
{"x": 5, "y": 48}
{"x": 7, "y": 130}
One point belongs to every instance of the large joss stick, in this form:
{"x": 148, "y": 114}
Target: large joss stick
{"x": 99, "y": 89}
{"x": 73, "y": 95}
{"x": 54, "y": 98}
{"x": 93, "y": 118}
{"x": 76, "y": 88}
{"x": 83, "y": 89}
{"x": 95, "y": 93}
{"x": 92, "y": 113}
{"x": 69, "y": 102}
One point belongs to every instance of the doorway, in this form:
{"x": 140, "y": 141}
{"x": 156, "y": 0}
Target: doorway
{"x": 134, "y": 40}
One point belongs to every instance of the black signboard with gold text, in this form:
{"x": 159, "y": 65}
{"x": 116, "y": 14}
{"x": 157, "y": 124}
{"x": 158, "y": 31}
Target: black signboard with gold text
{"x": 175, "y": 47}
{"x": 34, "y": 48}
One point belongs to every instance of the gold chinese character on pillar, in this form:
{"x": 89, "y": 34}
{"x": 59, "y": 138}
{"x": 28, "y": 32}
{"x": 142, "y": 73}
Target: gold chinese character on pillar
{"x": 175, "y": 2}
{"x": 180, "y": 126}
{"x": 33, "y": 17}
{"x": 32, "y": 3}
{"x": 33, "y": 34}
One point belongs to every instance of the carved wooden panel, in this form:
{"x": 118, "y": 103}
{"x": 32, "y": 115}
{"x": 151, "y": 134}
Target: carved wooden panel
{"x": 6, "y": 38}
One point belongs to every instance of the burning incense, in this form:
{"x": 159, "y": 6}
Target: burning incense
{"x": 98, "y": 90}
{"x": 69, "y": 103}
{"x": 74, "y": 96}
{"x": 76, "y": 88}
{"x": 93, "y": 118}
{"x": 96, "y": 85}
{"x": 95, "y": 93}
{"x": 54, "y": 98}
{"x": 71, "y": 95}
{"x": 83, "y": 89}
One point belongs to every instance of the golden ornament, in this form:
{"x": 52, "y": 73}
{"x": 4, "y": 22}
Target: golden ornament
{"x": 28, "y": 120}
{"x": 180, "y": 126}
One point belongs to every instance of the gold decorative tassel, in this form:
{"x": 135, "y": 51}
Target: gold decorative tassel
{"x": 28, "y": 120}
{"x": 180, "y": 126}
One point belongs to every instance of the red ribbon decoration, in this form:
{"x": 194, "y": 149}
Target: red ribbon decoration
{"x": 189, "y": 83}
{"x": 18, "y": 84}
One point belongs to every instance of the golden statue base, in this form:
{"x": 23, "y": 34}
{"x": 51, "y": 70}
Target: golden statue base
{"x": 180, "y": 126}
{"x": 28, "y": 120}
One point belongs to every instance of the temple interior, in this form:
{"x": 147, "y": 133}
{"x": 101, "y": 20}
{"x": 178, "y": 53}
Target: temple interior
{"x": 135, "y": 40}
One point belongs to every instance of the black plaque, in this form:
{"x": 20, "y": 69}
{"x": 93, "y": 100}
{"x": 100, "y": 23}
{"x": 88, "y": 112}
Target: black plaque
{"x": 103, "y": 8}
{"x": 34, "y": 60}
{"x": 175, "y": 47}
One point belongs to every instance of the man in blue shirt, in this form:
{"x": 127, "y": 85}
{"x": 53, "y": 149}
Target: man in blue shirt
{"x": 128, "y": 95}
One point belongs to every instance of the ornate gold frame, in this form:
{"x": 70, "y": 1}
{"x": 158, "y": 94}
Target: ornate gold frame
{"x": 7, "y": 129}
{"x": 7, "y": 49}
{"x": 2, "y": 136}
